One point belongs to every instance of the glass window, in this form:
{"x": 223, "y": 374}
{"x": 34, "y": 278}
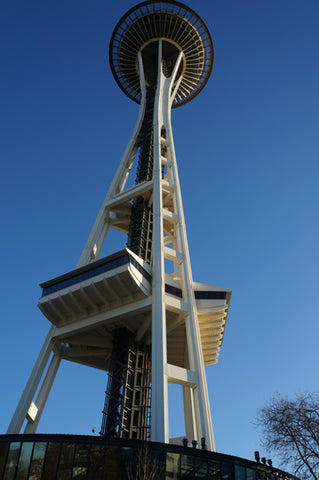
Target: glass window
{"x": 51, "y": 461}
{"x": 112, "y": 464}
{"x": 240, "y": 472}
{"x": 81, "y": 461}
{"x": 172, "y": 466}
{"x": 37, "y": 460}
{"x": 66, "y": 461}
{"x": 96, "y": 462}
{"x": 12, "y": 461}
{"x": 261, "y": 475}
{"x": 3, "y": 455}
{"x": 24, "y": 461}
{"x": 129, "y": 463}
{"x": 201, "y": 468}
{"x": 141, "y": 462}
{"x": 187, "y": 466}
{"x": 201, "y": 295}
{"x": 227, "y": 471}
{"x": 271, "y": 476}
{"x": 250, "y": 474}
{"x": 159, "y": 460}
{"x": 80, "y": 277}
{"x": 214, "y": 471}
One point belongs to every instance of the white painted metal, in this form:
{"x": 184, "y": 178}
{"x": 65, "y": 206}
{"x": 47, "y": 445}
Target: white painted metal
{"x": 159, "y": 425}
{"x": 124, "y": 295}
{"x": 32, "y": 384}
{"x": 43, "y": 394}
{"x": 200, "y": 417}
{"x": 100, "y": 228}
{"x": 189, "y": 412}
{"x": 32, "y": 412}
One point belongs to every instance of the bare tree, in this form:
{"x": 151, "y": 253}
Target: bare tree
{"x": 145, "y": 465}
{"x": 290, "y": 430}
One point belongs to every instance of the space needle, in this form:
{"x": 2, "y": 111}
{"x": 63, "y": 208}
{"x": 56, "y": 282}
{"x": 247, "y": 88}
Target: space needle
{"x": 137, "y": 314}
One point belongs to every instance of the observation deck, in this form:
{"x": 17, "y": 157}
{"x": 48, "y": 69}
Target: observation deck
{"x": 88, "y": 304}
{"x": 180, "y": 29}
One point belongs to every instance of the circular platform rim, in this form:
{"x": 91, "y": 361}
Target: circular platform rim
{"x": 209, "y": 45}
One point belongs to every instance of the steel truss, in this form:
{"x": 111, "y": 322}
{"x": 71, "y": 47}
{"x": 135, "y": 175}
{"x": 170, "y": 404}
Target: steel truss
{"x": 126, "y": 411}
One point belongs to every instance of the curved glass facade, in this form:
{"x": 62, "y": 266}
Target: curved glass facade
{"x": 73, "y": 457}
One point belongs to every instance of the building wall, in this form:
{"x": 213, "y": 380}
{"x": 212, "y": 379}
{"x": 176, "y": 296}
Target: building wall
{"x": 66, "y": 457}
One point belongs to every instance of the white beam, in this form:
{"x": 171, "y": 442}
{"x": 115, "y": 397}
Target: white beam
{"x": 102, "y": 319}
{"x": 137, "y": 190}
{"x": 189, "y": 412}
{"x": 173, "y": 255}
{"x": 42, "y": 397}
{"x": 159, "y": 422}
{"x": 32, "y": 384}
{"x": 181, "y": 376}
{"x": 169, "y": 216}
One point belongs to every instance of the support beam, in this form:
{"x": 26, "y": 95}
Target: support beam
{"x": 173, "y": 255}
{"x": 32, "y": 384}
{"x": 189, "y": 412}
{"x": 96, "y": 321}
{"x": 159, "y": 425}
{"x": 181, "y": 376}
{"x": 42, "y": 397}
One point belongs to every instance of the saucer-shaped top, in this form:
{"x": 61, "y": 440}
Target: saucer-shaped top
{"x": 180, "y": 29}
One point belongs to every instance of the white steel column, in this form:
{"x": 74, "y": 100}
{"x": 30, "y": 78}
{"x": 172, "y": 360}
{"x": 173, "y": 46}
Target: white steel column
{"x": 44, "y": 391}
{"x": 101, "y": 225}
{"x": 203, "y": 420}
{"x": 32, "y": 385}
{"x": 196, "y": 400}
{"x": 189, "y": 412}
{"x": 159, "y": 425}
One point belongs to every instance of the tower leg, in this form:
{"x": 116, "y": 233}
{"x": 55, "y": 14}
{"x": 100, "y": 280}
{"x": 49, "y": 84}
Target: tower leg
{"x": 196, "y": 399}
{"x": 159, "y": 424}
{"x": 32, "y": 385}
{"x": 189, "y": 413}
{"x": 42, "y": 397}
{"x": 101, "y": 225}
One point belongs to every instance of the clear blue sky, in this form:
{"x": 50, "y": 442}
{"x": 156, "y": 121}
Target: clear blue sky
{"x": 247, "y": 150}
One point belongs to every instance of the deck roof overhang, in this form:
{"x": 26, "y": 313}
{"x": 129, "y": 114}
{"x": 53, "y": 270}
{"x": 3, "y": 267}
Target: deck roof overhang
{"x": 89, "y": 303}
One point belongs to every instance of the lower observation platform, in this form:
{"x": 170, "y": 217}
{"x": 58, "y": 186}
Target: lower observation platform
{"x": 88, "y": 304}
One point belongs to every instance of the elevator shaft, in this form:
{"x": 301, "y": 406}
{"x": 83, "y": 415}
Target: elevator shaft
{"x": 141, "y": 224}
{"x": 127, "y": 410}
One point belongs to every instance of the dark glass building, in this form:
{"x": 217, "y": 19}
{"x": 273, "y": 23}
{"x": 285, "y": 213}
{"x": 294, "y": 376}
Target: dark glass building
{"x": 76, "y": 457}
